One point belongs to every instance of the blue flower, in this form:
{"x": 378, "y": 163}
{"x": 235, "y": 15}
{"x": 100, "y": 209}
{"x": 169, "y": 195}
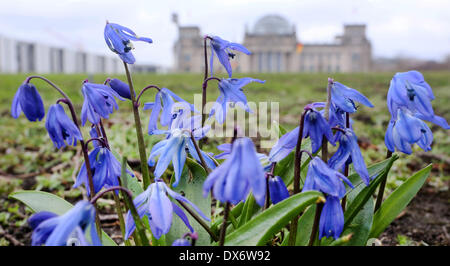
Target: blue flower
{"x": 182, "y": 119}
{"x": 105, "y": 168}
{"x": 226, "y": 151}
{"x": 94, "y": 134}
{"x": 118, "y": 38}
{"x": 277, "y": 189}
{"x": 98, "y": 102}
{"x": 321, "y": 177}
{"x": 121, "y": 88}
{"x": 181, "y": 242}
{"x": 231, "y": 91}
{"x": 67, "y": 229}
{"x": 348, "y": 152}
{"x": 242, "y": 171}
{"x": 345, "y": 97}
{"x": 159, "y": 209}
{"x": 409, "y": 90}
{"x": 61, "y": 128}
{"x": 163, "y": 99}
{"x": 315, "y": 127}
{"x": 184, "y": 240}
{"x": 173, "y": 149}
{"x": 331, "y": 218}
{"x": 222, "y": 49}
{"x": 407, "y": 130}
{"x": 28, "y": 100}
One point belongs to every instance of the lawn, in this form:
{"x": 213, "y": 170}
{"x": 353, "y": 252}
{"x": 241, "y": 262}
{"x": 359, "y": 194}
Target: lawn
{"x": 29, "y": 161}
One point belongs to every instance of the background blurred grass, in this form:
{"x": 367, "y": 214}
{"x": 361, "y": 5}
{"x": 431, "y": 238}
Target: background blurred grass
{"x": 26, "y": 147}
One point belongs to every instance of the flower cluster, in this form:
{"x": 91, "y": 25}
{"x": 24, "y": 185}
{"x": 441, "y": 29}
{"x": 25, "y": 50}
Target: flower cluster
{"x": 409, "y": 102}
{"x": 244, "y": 173}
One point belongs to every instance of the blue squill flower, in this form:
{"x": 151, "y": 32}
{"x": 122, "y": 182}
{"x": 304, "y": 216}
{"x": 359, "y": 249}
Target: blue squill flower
{"x": 407, "y": 130}
{"x": 321, "y": 177}
{"x": 331, "y": 218}
{"x": 315, "y": 127}
{"x": 173, "y": 149}
{"x": 231, "y": 91}
{"x": 226, "y": 151}
{"x": 163, "y": 99}
{"x": 159, "y": 209}
{"x": 184, "y": 240}
{"x": 222, "y": 49}
{"x": 182, "y": 119}
{"x": 61, "y": 128}
{"x": 277, "y": 189}
{"x": 121, "y": 88}
{"x": 28, "y": 101}
{"x": 98, "y": 103}
{"x": 94, "y": 134}
{"x": 118, "y": 38}
{"x": 348, "y": 152}
{"x": 345, "y": 97}
{"x": 53, "y": 230}
{"x": 181, "y": 242}
{"x": 409, "y": 90}
{"x": 237, "y": 175}
{"x": 105, "y": 168}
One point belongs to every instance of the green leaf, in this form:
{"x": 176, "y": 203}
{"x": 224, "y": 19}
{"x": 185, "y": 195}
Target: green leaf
{"x": 39, "y": 201}
{"x": 263, "y": 226}
{"x": 131, "y": 183}
{"x": 236, "y": 211}
{"x": 397, "y": 201}
{"x": 249, "y": 209}
{"x": 191, "y": 186}
{"x": 360, "y": 226}
{"x": 304, "y": 227}
{"x": 380, "y": 170}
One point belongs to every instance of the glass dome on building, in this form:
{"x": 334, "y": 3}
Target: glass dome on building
{"x": 273, "y": 25}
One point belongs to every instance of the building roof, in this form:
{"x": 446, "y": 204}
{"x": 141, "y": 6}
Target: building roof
{"x": 273, "y": 25}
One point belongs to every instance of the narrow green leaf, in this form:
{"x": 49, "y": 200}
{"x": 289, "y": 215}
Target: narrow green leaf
{"x": 366, "y": 192}
{"x": 191, "y": 187}
{"x": 263, "y": 226}
{"x": 360, "y": 226}
{"x": 397, "y": 201}
{"x": 39, "y": 201}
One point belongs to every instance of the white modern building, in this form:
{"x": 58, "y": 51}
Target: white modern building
{"x": 30, "y": 57}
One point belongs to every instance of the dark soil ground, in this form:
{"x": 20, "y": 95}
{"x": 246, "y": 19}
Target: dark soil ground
{"x": 425, "y": 221}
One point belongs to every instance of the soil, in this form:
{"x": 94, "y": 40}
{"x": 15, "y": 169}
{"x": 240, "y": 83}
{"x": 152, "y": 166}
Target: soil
{"x": 425, "y": 221}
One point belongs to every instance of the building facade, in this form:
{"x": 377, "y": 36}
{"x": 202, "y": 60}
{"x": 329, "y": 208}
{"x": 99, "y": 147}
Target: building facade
{"x": 29, "y": 57}
{"x": 275, "y": 48}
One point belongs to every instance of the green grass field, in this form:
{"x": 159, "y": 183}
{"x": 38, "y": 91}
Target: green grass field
{"x": 26, "y": 149}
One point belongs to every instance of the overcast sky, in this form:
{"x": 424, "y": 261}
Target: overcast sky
{"x": 395, "y": 27}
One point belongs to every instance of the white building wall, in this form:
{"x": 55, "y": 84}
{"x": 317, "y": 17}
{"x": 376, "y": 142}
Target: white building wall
{"x": 26, "y": 57}
{"x": 8, "y": 54}
{"x": 69, "y": 61}
{"x": 42, "y": 59}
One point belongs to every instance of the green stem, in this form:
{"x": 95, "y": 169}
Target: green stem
{"x": 139, "y": 135}
{"x": 199, "y": 220}
{"x": 121, "y": 220}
